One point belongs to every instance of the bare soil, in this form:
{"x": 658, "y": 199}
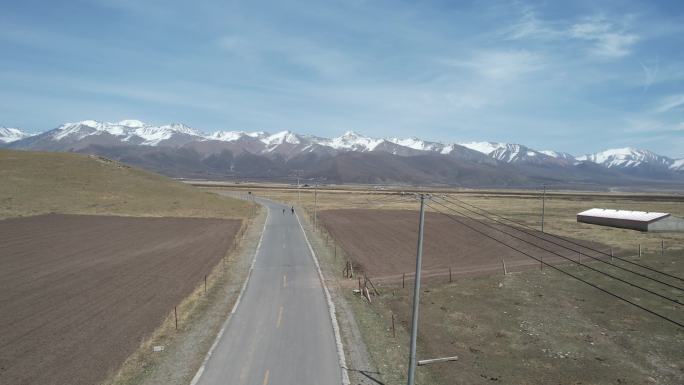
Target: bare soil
{"x": 79, "y": 293}
{"x": 382, "y": 243}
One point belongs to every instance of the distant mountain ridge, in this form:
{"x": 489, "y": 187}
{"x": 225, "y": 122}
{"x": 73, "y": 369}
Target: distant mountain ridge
{"x": 179, "y": 150}
{"x": 9, "y": 135}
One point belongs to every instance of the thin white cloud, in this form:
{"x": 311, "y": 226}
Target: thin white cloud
{"x": 302, "y": 52}
{"x": 530, "y": 26}
{"x": 670, "y": 103}
{"x": 650, "y": 73}
{"x": 608, "y": 40}
{"x": 500, "y": 65}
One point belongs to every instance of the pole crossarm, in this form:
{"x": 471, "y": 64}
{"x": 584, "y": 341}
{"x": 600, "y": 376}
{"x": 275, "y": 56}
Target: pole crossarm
{"x": 437, "y": 360}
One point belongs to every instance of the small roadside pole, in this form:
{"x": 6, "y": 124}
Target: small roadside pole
{"x": 611, "y": 254}
{"x": 543, "y": 208}
{"x": 299, "y": 189}
{"x": 314, "y": 214}
{"x": 662, "y": 248}
{"x": 416, "y": 295}
{"x": 640, "y": 250}
{"x": 394, "y": 333}
{"x": 205, "y": 284}
{"x": 503, "y": 262}
{"x": 449, "y": 273}
{"x": 175, "y": 316}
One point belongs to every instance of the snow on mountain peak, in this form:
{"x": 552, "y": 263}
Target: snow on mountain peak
{"x": 281, "y": 138}
{"x": 9, "y": 135}
{"x": 130, "y": 123}
{"x": 483, "y": 147}
{"x": 351, "y": 134}
{"x": 89, "y": 123}
{"x": 417, "y": 144}
{"x": 352, "y": 141}
{"x": 126, "y": 130}
{"x": 677, "y": 165}
{"x": 625, "y": 157}
{"x": 135, "y": 132}
{"x": 226, "y": 136}
{"x": 231, "y": 136}
{"x": 558, "y": 155}
{"x": 500, "y": 151}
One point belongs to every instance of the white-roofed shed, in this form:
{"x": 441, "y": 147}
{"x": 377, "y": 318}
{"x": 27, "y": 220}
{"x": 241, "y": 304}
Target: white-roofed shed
{"x": 635, "y": 220}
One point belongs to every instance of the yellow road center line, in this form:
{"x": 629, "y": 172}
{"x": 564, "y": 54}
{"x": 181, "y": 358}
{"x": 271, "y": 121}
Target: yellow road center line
{"x": 266, "y": 377}
{"x": 280, "y": 317}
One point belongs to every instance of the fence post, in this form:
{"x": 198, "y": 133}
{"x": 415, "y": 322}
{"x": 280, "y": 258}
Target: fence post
{"x": 175, "y": 316}
{"x": 640, "y": 250}
{"x": 611, "y": 254}
{"x": 449, "y": 273}
{"x": 503, "y": 262}
{"x": 394, "y": 334}
{"x": 403, "y": 280}
{"x": 662, "y": 248}
{"x": 580, "y": 257}
{"x": 205, "y": 284}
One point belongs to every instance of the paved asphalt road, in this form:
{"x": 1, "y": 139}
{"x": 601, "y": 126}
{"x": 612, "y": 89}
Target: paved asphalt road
{"x": 281, "y": 332}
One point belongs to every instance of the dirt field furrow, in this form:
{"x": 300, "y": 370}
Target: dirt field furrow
{"x": 79, "y": 293}
{"x": 383, "y": 242}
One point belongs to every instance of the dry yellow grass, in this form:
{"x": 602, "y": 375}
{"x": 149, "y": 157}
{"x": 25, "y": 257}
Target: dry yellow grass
{"x": 34, "y": 183}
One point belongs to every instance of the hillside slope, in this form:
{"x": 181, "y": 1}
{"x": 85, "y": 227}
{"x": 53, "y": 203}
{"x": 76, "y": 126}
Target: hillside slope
{"x": 35, "y": 183}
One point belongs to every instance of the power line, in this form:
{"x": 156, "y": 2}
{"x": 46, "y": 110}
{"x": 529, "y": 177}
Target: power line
{"x": 571, "y": 242}
{"x": 560, "y": 245}
{"x": 674, "y": 300}
{"x": 561, "y": 270}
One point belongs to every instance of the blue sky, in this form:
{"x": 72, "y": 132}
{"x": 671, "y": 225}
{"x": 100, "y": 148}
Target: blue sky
{"x": 570, "y": 76}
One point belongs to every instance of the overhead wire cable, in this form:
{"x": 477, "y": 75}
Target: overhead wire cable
{"x": 566, "y": 247}
{"x": 673, "y": 300}
{"x": 661, "y": 316}
{"x": 573, "y": 242}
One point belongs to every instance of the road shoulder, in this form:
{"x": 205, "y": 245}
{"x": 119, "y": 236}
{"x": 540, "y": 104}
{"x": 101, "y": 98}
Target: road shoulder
{"x": 201, "y": 317}
{"x": 359, "y": 366}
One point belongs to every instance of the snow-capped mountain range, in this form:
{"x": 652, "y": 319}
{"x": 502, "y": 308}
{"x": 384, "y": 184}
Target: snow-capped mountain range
{"x": 9, "y": 135}
{"x": 138, "y": 133}
{"x": 113, "y": 139}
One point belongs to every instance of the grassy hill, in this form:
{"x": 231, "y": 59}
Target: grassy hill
{"x": 33, "y": 183}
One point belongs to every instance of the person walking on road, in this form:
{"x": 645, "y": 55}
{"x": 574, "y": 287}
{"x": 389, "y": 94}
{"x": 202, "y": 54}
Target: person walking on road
{"x": 283, "y": 211}
{"x": 292, "y": 210}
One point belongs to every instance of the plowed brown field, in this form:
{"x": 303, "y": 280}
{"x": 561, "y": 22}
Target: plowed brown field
{"x": 79, "y": 293}
{"x": 383, "y": 244}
